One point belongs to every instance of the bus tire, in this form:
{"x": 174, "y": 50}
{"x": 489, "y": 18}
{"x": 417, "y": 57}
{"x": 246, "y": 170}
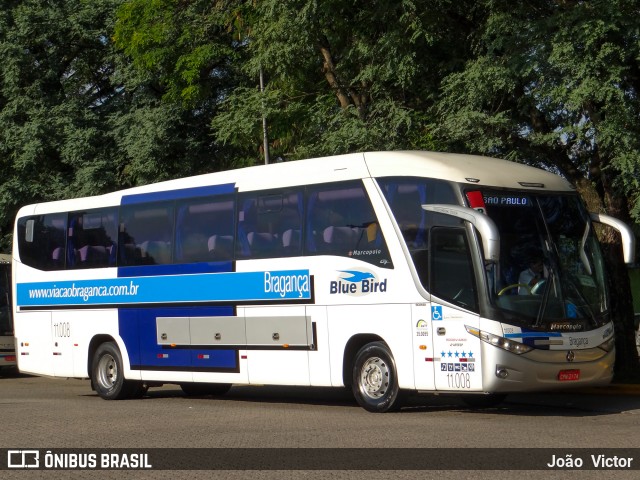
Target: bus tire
{"x": 375, "y": 381}
{"x": 198, "y": 389}
{"x": 108, "y": 375}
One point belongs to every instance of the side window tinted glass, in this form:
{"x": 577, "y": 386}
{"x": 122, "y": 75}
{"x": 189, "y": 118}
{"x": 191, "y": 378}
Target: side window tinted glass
{"x": 269, "y": 224}
{"x": 92, "y": 238}
{"x": 341, "y": 221}
{"x": 41, "y": 241}
{"x": 204, "y": 229}
{"x": 406, "y": 196}
{"x": 146, "y": 234}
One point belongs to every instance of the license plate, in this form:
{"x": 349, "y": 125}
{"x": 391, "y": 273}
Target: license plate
{"x": 568, "y": 375}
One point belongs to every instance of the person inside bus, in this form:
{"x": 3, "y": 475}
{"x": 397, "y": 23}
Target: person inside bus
{"x": 531, "y": 276}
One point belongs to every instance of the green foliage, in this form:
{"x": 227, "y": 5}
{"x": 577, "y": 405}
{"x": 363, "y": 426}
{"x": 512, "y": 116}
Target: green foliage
{"x": 54, "y": 85}
{"x": 79, "y": 118}
{"x": 112, "y": 93}
{"x": 555, "y": 83}
{"x": 342, "y": 76}
{"x": 185, "y": 46}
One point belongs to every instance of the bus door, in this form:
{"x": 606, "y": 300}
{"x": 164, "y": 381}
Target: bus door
{"x": 454, "y": 307}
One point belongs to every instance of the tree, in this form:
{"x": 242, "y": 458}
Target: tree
{"x": 77, "y": 118}
{"x": 344, "y": 76}
{"x": 179, "y": 62}
{"x": 556, "y": 84}
{"x": 341, "y": 76}
{"x": 54, "y": 91}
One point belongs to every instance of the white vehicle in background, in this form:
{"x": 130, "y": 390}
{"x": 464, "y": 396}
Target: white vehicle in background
{"x": 7, "y": 345}
{"x": 388, "y": 272}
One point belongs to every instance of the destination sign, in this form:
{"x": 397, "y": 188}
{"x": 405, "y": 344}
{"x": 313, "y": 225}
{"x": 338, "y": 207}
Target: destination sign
{"x": 507, "y": 200}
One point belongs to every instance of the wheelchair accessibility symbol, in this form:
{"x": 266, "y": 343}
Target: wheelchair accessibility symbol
{"x": 436, "y": 313}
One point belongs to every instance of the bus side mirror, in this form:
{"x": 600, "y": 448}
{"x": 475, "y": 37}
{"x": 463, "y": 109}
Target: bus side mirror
{"x": 487, "y": 228}
{"x": 628, "y": 239}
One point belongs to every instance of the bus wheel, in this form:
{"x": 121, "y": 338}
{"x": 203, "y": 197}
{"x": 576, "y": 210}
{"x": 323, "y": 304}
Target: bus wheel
{"x": 108, "y": 374}
{"x": 375, "y": 382}
{"x": 197, "y": 389}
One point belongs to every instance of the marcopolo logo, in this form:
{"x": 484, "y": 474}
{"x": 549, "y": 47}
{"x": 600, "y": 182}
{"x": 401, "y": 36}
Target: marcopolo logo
{"x": 357, "y": 283}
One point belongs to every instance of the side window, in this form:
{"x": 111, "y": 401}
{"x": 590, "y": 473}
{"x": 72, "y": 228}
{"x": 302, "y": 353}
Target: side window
{"x": 406, "y": 196}
{"x": 451, "y": 274}
{"x": 92, "y": 238}
{"x": 269, "y": 224}
{"x": 146, "y": 234}
{"x": 340, "y": 221}
{"x": 204, "y": 229}
{"x": 41, "y": 241}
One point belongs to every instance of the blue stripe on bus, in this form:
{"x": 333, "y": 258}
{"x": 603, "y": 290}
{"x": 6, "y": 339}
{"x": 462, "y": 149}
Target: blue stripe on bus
{"x": 220, "y": 287}
{"x": 178, "y": 194}
{"x": 531, "y": 337}
{"x": 545, "y": 335}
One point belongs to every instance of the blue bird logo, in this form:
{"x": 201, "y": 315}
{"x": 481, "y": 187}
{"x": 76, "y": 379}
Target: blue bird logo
{"x": 356, "y": 276}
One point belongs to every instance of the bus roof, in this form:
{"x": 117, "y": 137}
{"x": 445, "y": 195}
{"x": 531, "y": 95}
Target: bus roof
{"x": 461, "y": 168}
{"x": 471, "y": 169}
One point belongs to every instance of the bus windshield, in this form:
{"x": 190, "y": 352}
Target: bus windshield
{"x": 551, "y": 271}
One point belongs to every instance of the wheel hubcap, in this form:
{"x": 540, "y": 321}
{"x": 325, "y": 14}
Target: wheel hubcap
{"x": 374, "y": 377}
{"x": 107, "y": 371}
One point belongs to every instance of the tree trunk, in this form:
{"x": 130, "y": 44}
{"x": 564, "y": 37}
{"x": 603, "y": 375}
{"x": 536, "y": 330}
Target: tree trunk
{"x": 329, "y": 70}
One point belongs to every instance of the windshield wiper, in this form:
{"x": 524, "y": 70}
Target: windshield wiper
{"x": 583, "y": 253}
{"x": 545, "y": 295}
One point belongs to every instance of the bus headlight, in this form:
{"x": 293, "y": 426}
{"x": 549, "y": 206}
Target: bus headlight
{"x": 608, "y": 345}
{"x": 500, "y": 342}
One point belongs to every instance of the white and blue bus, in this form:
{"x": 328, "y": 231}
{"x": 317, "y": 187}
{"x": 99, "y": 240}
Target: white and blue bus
{"x": 387, "y": 272}
{"x": 7, "y": 346}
